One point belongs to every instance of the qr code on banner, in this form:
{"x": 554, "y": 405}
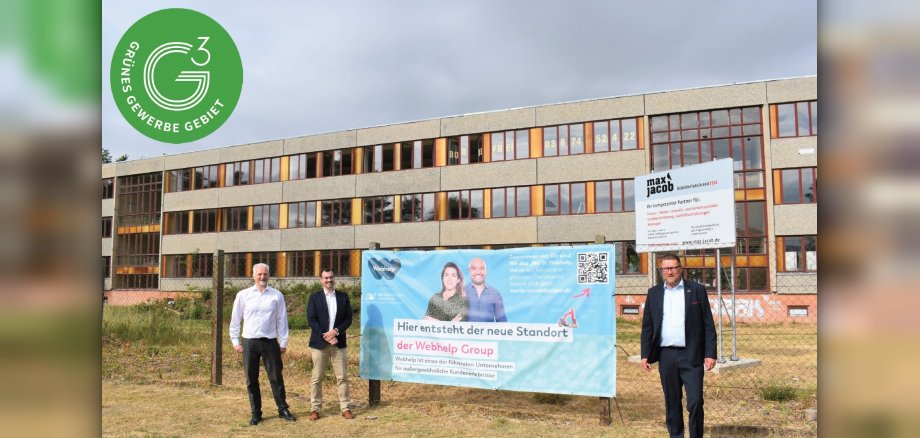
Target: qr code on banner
{"x": 592, "y": 267}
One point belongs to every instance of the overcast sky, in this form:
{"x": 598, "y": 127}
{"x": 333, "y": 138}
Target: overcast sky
{"x": 311, "y": 67}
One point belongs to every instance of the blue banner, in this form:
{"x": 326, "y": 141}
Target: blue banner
{"x": 535, "y": 319}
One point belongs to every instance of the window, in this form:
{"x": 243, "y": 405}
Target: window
{"x": 336, "y": 212}
{"x": 235, "y": 219}
{"x": 108, "y": 188}
{"x": 464, "y": 204}
{"x": 269, "y": 258}
{"x": 419, "y": 207}
{"x": 266, "y": 170}
{"x": 417, "y": 154}
{"x": 798, "y": 186}
{"x": 302, "y": 166}
{"x": 179, "y": 180}
{"x": 106, "y": 266}
{"x": 627, "y": 309}
{"x": 188, "y": 266}
{"x": 265, "y": 217}
{"x": 510, "y": 145}
{"x": 301, "y": 263}
{"x": 302, "y": 214}
{"x": 697, "y": 137}
{"x": 797, "y": 311}
{"x": 800, "y": 253}
{"x": 176, "y": 222}
{"x": 235, "y": 265}
{"x": 337, "y": 260}
{"x": 237, "y": 174}
{"x": 614, "y": 196}
{"x": 138, "y": 200}
{"x": 378, "y": 210}
{"x": 751, "y": 230}
{"x": 564, "y": 199}
{"x": 107, "y": 226}
{"x": 615, "y": 135}
{"x": 563, "y": 140}
{"x": 799, "y": 119}
{"x": 205, "y": 177}
{"x": 338, "y": 162}
{"x": 380, "y": 158}
{"x": 464, "y": 149}
{"x": 511, "y": 202}
{"x": 627, "y": 259}
{"x": 204, "y": 221}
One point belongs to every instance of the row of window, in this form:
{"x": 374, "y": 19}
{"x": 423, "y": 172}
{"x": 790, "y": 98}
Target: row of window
{"x": 608, "y": 135}
{"x": 678, "y": 140}
{"x": 280, "y": 264}
{"x": 799, "y": 254}
{"x": 610, "y": 196}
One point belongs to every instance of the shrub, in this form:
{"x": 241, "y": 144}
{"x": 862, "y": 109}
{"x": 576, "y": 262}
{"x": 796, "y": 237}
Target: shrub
{"x": 777, "y": 392}
{"x": 152, "y": 323}
{"x": 298, "y": 321}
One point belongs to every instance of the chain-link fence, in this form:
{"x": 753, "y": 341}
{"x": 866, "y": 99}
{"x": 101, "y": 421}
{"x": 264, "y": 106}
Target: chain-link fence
{"x": 766, "y": 377}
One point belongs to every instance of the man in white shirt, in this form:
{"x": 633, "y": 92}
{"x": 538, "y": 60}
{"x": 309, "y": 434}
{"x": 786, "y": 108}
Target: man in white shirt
{"x": 265, "y": 337}
{"x": 329, "y": 313}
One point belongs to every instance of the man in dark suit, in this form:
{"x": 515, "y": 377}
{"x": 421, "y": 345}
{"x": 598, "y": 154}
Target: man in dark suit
{"x": 678, "y": 331}
{"x": 329, "y": 314}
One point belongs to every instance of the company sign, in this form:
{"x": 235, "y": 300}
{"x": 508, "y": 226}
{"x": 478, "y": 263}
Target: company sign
{"x": 687, "y": 208}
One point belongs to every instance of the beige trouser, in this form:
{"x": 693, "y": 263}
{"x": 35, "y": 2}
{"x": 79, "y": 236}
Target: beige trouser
{"x": 321, "y": 359}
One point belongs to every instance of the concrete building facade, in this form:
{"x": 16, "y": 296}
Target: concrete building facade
{"x": 546, "y": 175}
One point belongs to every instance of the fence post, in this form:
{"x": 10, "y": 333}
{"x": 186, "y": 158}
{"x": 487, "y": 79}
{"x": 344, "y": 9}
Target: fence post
{"x": 217, "y": 318}
{"x": 373, "y": 386}
{"x": 605, "y": 401}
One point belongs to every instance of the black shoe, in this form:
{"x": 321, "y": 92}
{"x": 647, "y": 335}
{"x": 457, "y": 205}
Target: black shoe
{"x": 286, "y": 414}
{"x": 256, "y": 419}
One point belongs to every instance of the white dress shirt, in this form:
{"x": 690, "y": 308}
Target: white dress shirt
{"x": 264, "y": 313}
{"x": 332, "y": 306}
{"x": 673, "y": 332}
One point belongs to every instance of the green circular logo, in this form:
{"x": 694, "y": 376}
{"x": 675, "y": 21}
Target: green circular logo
{"x": 176, "y": 75}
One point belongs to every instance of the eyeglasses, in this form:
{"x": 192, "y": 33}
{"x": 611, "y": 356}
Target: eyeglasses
{"x": 669, "y": 268}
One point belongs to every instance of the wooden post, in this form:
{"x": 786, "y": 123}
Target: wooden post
{"x": 217, "y": 318}
{"x": 605, "y": 401}
{"x": 373, "y": 386}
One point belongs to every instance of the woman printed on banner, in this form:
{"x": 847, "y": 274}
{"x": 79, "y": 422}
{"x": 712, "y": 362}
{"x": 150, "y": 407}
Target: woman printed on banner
{"x": 450, "y": 303}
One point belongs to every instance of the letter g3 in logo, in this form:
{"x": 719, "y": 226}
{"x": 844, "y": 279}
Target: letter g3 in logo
{"x": 176, "y": 75}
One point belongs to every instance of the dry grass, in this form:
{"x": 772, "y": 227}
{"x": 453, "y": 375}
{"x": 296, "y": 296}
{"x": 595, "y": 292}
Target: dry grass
{"x": 154, "y": 390}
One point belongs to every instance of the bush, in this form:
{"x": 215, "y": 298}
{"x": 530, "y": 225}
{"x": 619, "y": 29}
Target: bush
{"x": 152, "y": 323}
{"x": 777, "y": 392}
{"x": 298, "y": 321}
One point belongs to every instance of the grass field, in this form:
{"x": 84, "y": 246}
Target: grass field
{"x": 155, "y": 382}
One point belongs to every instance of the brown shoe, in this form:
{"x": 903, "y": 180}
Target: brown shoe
{"x": 313, "y": 416}
{"x": 347, "y": 414}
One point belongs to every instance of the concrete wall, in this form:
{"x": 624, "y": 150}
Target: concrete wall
{"x": 796, "y": 219}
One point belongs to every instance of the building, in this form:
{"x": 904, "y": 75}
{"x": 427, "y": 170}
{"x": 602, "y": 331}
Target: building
{"x": 545, "y": 175}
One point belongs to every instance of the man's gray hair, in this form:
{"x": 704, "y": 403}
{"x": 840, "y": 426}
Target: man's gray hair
{"x": 267, "y": 270}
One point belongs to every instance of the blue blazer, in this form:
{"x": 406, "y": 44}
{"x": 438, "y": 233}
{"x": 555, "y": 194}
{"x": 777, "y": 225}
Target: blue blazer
{"x": 318, "y": 316}
{"x": 699, "y": 328}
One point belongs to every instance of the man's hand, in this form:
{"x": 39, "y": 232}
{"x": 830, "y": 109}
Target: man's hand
{"x": 238, "y": 348}
{"x": 708, "y": 363}
{"x": 646, "y": 365}
{"x": 283, "y": 350}
{"x": 329, "y": 336}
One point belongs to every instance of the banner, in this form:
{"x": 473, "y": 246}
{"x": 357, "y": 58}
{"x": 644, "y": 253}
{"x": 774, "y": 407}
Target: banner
{"x": 691, "y": 207}
{"x": 525, "y": 319}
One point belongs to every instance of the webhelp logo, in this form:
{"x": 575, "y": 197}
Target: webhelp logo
{"x": 383, "y": 268}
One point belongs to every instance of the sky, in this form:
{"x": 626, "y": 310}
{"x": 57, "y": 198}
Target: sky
{"x": 313, "y": 67}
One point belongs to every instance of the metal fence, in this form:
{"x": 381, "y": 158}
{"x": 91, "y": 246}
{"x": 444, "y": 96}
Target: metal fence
{"x": 766, "y": 376}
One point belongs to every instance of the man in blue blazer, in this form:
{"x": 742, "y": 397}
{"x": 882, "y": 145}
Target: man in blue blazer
{"x": 679, "y": 333}
{"x": 329, "y": 313}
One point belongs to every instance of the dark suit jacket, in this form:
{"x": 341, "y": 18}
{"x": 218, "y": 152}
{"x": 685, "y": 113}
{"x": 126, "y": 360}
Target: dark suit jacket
{"x": 699, "y": 328}
{"x": 318, "y": 316}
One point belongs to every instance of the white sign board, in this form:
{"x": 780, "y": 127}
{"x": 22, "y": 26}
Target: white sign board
{"x": 687, "y": 208}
